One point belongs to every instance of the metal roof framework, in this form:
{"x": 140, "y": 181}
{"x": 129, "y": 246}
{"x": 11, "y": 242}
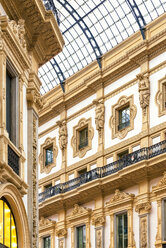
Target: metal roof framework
{"x": 91, "y": 28}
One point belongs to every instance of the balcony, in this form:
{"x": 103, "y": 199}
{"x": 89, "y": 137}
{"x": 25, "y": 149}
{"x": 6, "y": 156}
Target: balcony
{"x": 13, "y": 160}
{"x": 144, "y": 154}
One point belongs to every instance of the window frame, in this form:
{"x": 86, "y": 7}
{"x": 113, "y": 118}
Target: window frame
{"x": 44, "y": 241}
{"x": 120, "y": 122}
{"x": 114, "y": 119}
{"x": 116, "y": 228}
{"x": 77, "y": 239}
{"x": 85, "y": 143}
{"x": 52, "y": 155}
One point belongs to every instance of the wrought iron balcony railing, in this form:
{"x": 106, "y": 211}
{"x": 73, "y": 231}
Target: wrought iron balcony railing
{"x": 13, "y": 160}
{"x": 100, "y": 172}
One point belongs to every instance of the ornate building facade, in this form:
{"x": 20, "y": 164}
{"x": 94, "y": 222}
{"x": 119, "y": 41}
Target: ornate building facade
{"x": 29, "y": 37}
{"x": 102, "y": 150}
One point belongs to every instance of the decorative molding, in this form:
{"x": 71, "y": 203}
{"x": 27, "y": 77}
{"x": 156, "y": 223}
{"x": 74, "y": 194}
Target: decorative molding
{"x": 44, "y": 223}
{"x": 34, "y": 97}
{"x": 144, "y": 91}
{"x": 114, "y": 120}
{"x": 48, "y": 142}
{"x": 62, "y": 134}
{"x": 120, "y": 196}
{"x": 78, "y": 210}
{"x": 160, "y": 98}
{"x": 75, "y": 139}
{"x": 145, "y": 207}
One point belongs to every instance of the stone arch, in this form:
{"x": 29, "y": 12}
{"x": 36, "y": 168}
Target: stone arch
{"x": 13, "y": 196}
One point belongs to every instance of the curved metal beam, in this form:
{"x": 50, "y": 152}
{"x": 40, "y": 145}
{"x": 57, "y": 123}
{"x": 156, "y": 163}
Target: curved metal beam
{"x": 84, "y": 28}
{"x": 59, "y": 73}
{"x": 138, "y": 16}
{"x": 49, "y": 5}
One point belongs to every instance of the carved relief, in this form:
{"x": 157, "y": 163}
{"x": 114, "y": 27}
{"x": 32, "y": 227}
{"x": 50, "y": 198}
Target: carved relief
{"x": 160, "y": 97}
{"x": 114, "y": 120}
{"x": 99, "y": 238}
{"x": 34, "y": 183}
{"x": 43, "y": 222}
{"x": 62, "y": 134}
{"x": 145, "y": 207}
{"x": 143, "y": 232}
{"x": 144, "y": 91}
{"x": 42, "y": 156}
{"x": 61, "y": 242}
{"x": 99, "y": 118}
{"x": 75, "y": 139}
{"x": 19, "y": 31}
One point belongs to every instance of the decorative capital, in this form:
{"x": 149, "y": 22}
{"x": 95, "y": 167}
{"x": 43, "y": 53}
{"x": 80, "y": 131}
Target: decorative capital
{"x": 98, "y": 220}
{"x": 61, "y": 232}
{"x": 145, "y": 207}
{"x": 34, "y": 97}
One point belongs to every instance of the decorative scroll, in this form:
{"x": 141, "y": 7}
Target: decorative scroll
{"x": 144, "y": 91}
{"x": 145, "y": 206}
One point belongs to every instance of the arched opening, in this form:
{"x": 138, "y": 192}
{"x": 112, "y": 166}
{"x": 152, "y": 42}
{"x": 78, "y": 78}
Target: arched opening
{"x": 8, "y": 230}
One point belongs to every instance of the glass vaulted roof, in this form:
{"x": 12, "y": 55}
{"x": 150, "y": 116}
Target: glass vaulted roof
{"x": 92, "y": 27}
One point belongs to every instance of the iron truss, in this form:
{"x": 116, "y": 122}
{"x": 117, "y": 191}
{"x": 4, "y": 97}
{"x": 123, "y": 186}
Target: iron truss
{"x": 138, "y": 16}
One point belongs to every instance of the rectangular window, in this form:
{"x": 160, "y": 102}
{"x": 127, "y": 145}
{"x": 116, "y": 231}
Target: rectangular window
{"x": 81, "y": 236}
{"x": 47, "y": 242}
{"x": 124, "y": 118}
{"x": 121, "y": 231}
{"x": 83, "y": 138}
{"x": 49, "y": 155}
{"x": 12, "y": 107}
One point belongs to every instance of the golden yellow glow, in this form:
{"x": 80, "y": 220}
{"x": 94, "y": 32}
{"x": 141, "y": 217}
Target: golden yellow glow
{"x": 13, "y": 234}
{"x": 8, "y": 234}
{"x": 7, "y": 225}
{"x": 1, "y": 221}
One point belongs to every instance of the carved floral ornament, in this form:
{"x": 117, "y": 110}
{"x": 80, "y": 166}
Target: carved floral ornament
{"x": 160, "y": 97}
{"x": 43, "y": 222}
{"x": 34, "y": 97}
{"x": 114, "y": 120}
{"x": 48, "y": 142}
{"x": 61, "y": 232}
{"x": 75, "y": 139}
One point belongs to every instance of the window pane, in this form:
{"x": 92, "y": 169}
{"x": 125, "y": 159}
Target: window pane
{"x": 47, "y": 242}
{"x": 81, "y": 237}
{"x": 121, "y": 231}
{"x": 1, "y": 221}
{"x": 7, "y": 213}
{"x": 49, "y": 155}
{"x": 83, "y": 137}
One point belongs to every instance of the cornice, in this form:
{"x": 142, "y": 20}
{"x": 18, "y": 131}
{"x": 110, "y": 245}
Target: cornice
{"x": 42, "y": 32}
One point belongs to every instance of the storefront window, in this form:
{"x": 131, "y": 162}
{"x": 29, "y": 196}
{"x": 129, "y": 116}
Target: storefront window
{"x": 8, "y": 234}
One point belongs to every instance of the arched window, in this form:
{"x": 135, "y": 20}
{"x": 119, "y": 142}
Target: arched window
{"x": 8, "y": 232}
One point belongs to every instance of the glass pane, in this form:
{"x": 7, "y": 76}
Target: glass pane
{"x": 1, "y": 221}
{"x": 47, "y": 242}
{"x": 49, "y": 155}
{"x": 125, "y": 231}
{"x": 13, "y": 234}
{"x": 7, "y": 213}
{"x": 121, "y": 231}
{"x": 84, "y": 236}
{"x": 83, "y": 135}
